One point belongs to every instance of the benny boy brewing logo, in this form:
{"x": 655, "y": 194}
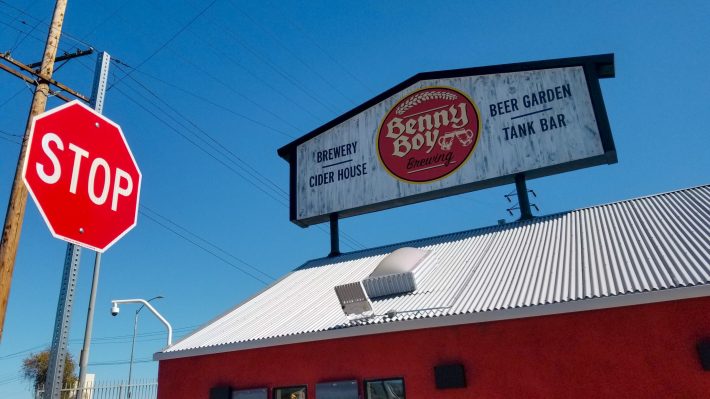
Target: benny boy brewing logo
{"x": 428, "y": 134}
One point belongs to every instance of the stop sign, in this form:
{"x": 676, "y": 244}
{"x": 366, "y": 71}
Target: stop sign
{"x": 82, "y": 176}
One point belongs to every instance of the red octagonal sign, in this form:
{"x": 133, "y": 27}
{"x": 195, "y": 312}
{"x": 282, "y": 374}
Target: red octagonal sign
{"x": 82, "y": 176}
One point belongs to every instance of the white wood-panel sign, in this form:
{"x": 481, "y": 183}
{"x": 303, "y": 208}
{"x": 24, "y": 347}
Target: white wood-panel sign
{"x": 447, "y": 135}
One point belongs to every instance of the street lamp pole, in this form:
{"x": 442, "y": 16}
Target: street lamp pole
{"x": 133, "y": 343}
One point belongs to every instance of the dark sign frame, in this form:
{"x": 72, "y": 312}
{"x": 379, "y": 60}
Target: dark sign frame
{"x": 595, "y": 67}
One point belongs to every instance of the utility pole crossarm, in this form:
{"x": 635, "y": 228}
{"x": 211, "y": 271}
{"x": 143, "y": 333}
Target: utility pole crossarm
{"x": 66, "y": 56}
{"x": 40, "y": 76}
{"x": 32, "y": 82}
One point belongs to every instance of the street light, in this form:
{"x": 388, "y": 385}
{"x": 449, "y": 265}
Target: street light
{"x": 133, "y": 342}
{"x": 146, "y": 304}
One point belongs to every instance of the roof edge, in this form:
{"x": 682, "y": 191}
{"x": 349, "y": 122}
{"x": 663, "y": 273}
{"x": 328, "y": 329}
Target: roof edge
{"x": 573, "y": 306}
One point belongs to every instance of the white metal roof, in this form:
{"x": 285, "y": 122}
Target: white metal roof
{"x": 636, "y": 251}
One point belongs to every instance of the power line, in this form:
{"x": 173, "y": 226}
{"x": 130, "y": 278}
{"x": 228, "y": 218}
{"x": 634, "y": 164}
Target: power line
{"x": 20, "y": 40}
{"x": 10, "y": 380}
{"x": 119, "y": 362}
{"x": 293, "y": 54}
{"x": 208, "y": 153}
{"x": 9, "y": 140}
{"x": 347, "y": 237}
{"x": 101, "y": 340}
{"x": 287, "y": 76}
{"x": 244, "y": 97}
{"x": 349, "y": 240}
{"x": 307, "y": 36}
{"x": 64, "y": 34}
{"x": 282, "y": 201}
{"x": 211, "y": 244}
{"x": 283, "y": 196}
{"x": 236, "y": 62}
{"x": 205, "y": 249}
{"x": 200, "y": 97}
{"x": 100, "y": 24}
{"x": 212, "y": 142}
{"x": 252, "y": 120}
{"x": 162, "y": 46}
{"x": 20, "y": 31}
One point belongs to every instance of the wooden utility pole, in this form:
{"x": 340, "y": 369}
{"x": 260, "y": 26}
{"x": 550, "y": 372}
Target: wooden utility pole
{"x": 18, "y": 197}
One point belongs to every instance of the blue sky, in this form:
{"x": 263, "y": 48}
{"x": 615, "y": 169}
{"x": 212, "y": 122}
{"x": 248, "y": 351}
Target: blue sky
{"x": 255, "y": 75}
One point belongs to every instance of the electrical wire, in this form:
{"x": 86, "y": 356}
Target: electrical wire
{"x": 211, "y": 244}
{"x": 292, "y": 53}
{"x": 349, "y": 240}
{"x": 106, "y": 339}
{"x": 119, "y": 362}
{"x": 162, "y": 46}
{"x": 319, "y": 47}
{"x": 219, "y": 147}
{"x": 64, "y": 34}
{"x": 103, "y": 21}
{"x": 215, "y": 144}
{"x": 283, "y": 201}
{"x": 14, "y": 141}
{"x": 193, "y": 242}
{"x": 193, "y": 94}
{"x": 244, "y": 97}
{"x": 287, "y": 76}
{"x": 195, "y": 144}
{"x": 234, "y": 61}
{"x": 19, "y": 40}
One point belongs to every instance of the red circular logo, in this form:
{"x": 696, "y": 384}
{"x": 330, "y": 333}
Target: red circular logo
{"x": 428, "y": 134}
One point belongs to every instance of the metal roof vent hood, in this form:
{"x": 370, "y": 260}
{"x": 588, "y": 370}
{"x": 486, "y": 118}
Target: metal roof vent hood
{"x": 394, "y": 273}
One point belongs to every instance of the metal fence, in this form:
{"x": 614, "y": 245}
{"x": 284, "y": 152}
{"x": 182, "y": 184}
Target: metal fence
{"x": 147, "y": 389}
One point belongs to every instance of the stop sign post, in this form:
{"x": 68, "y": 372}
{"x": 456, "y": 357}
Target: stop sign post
{"x": 82, "y": 175}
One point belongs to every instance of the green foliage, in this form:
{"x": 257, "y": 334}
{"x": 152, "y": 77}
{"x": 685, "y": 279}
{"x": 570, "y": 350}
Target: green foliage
{"x": 35, "y": 366}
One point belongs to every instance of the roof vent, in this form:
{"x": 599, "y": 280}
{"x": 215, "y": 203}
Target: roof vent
{"x": 394, "y": 273}
{"x": 354, "y": 300}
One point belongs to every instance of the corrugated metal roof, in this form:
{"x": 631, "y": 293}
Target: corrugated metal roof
{"x": 644, "y": 245}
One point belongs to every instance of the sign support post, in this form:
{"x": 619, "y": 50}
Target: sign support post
{"x": 523, "y": 199}
{"x": 60, "y": 338}
{"x": 97, "y": 102}
{"x": 334, "y": 236}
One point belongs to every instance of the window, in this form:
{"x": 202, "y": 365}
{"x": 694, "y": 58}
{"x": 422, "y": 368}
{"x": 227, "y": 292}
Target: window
{"x": 298, "y": 392}
{"x": 392, "y": 388}
{"x": 337, "y": 390}
{"x": 260, "y": 393}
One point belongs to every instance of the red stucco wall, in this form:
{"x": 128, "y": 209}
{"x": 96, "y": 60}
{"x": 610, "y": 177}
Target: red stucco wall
{"x": 645, "y": 351}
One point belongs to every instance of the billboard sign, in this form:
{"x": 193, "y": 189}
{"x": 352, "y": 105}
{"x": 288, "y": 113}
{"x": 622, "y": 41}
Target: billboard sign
{"x": 444, "y": 133}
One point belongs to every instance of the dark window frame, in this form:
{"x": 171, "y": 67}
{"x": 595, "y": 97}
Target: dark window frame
{"x": 369, "y": 380}
{"x": 273, "y": 390}
{"x": 357, "y": 385}
{"x": 236, "y": 390}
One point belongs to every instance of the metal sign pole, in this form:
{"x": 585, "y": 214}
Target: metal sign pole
{"x": 97, "y": 102}
{"x": 334, "y": 236}
{"x": 60, "y": 338}
{"x": 523, "y": 199}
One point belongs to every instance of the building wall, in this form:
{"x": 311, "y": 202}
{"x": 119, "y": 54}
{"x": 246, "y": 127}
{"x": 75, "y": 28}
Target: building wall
{"x": 644, "y": 351}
